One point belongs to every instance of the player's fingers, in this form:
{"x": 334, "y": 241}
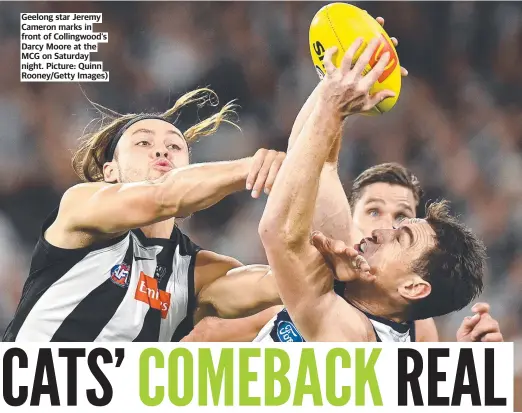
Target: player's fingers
{"x": 324, "y": 245}
{"x": 404, "y": 71}
{"x": 365, "y": 57}
{"x": 469, "y": 323}
{"x": 374, "y": 74}
{"x": 378, "y": 98}
{"x": 380, "y": 20}
{"x": 263, "y": 174}
{"x": 485, "y": 326}
{"x": 395, "y": 41}
{"x": 347, "y": 62}
{"x": 481, "y": 308}
{"x": 274, "y": 170}
{"x": 327, "y": 61}
{"x": 364, "y": 266}
{"x": 339, "y": 247}
{"x": 492, "y": 338}
{"x": 360, "y": 263}
{"x": 351, "y": 252}
{"x": 319, "y": 241}
{"x": 257, "y": 162}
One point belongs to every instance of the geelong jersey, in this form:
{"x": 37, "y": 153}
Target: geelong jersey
{"x": 281, "y": 329}
{"x": 131, "y": 288}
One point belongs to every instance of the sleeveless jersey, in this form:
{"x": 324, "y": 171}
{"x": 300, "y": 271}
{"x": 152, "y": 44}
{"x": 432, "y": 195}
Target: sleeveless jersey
{"x": 131, "y": 288}
{"x": 281, "y": 329}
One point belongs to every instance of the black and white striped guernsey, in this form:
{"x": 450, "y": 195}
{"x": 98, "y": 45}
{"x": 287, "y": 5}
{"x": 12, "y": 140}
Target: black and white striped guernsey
{"x": 281, "y": 329}
{"x": 132, "y": 288}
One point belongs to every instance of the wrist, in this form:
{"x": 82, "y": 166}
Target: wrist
{"x": 243, "y": 168}
{"x": 329, "y": 111}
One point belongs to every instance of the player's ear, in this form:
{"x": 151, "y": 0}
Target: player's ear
{"x": 415, "y": 288}
{"x": 110, "y": 172}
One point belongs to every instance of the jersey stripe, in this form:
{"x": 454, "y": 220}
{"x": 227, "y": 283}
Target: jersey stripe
{"x": 131, "y": 288}
{"x": 62, "y": 296}
{"x": 39, "y": 283}
{"x": 187, "y": 324}
{"x": 90, "y": 316}
{"x": 150, "y": 330}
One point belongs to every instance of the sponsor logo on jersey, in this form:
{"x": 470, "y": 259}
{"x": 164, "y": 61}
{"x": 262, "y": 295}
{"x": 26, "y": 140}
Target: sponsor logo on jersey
{"x": 160, "y": 272}
{"x": 120, "y": 274}
{"x": 148, "y": 292}
{"x": 286, "y": 332}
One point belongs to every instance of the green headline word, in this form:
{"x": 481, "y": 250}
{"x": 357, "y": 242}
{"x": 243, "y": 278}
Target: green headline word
{"x": 229, "y": 373}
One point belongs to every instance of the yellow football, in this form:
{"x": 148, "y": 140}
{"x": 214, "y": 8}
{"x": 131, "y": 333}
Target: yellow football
{"x": 339, "y": 24}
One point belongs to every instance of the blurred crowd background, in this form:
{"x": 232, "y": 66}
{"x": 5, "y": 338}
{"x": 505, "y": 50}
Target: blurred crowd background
{"x": 458, "y": 123}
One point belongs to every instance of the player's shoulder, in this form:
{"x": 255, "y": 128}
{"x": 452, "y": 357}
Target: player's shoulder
{"x": 77, "y": 194}
{"x": 356, "y": 325}
{"x": 74, "y": 200}
{"x": 83, "y": 189}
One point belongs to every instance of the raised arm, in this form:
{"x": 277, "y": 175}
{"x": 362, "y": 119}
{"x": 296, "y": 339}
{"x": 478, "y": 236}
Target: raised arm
{"x": 332, "y": 214}
{"x": 106, "y": 210}
{"x": 287, "y": 220}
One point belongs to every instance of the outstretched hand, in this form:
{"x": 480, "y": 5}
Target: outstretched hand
{"x": 345, "y": 262}
{"x": 345, "y": 90}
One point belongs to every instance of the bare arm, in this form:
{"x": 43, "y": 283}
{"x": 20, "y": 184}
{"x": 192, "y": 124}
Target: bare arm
{"x": 227, "y": 289}
{"x": 304, "y": 281}
{"x": 213, "y": 329}
{"x": 101, "y": 210}
{"x": 115, "y": 208}
{"x": 332, "y": 215}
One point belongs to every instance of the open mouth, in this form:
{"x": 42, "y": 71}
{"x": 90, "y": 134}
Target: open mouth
{"x": 366, "y": 247}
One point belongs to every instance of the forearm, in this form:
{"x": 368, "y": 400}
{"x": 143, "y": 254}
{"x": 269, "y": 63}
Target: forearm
{"x": 332, "y": 215}
{"x": 197, "y": 187}
{"x": 214, "y": 329}
{"x": 300, "y": 121}
{"x": 241, "y": 292}
{"x": 290, "y": 207}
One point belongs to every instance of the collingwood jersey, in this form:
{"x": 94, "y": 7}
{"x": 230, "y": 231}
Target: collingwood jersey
{"x": 281, "y": 329}
{"x": 131, "y": 288}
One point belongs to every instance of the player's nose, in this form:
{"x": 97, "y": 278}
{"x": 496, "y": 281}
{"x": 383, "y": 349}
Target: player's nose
{"x": 381, "y": 236}
{"x": 160, "y": 153}
{"x": 385, "y": 223}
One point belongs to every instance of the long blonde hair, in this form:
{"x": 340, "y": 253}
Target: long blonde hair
{"x": 88, "y": 160}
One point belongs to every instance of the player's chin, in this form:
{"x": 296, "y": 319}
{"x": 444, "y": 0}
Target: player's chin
{"x": 157, "y": 173}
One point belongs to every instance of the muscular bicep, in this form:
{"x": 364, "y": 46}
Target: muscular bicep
{"x": 110, "y": 208}
{"x": 228, "y": 289}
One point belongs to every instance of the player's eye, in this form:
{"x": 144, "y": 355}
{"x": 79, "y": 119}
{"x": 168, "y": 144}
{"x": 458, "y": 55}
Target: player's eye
{"x": 143, "y": 143}
{"x": 373, "y": 213}
{"x": 401, "y": 217}
{"x": 174, "y": 146}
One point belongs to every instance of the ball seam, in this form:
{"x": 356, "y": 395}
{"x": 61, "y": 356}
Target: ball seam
{"x": 333, "y": 30}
